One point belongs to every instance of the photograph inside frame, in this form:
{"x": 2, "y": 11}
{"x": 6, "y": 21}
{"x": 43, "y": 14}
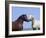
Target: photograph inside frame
{"x": 24, "y": 17}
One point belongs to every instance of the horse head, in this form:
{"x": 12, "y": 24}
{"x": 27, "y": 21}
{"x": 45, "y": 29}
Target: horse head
{"x": 26, "y": 18}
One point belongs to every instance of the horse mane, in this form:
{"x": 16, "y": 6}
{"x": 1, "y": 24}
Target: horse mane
{"x": 17, "y": 25}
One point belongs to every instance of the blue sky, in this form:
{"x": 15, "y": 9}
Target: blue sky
{"x": 17, "y": 11}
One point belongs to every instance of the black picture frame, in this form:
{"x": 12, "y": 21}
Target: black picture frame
{"x": 7, "y": 18}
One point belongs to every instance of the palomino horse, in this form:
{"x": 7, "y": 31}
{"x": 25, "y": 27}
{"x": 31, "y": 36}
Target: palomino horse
{"x": 18, "y": 24}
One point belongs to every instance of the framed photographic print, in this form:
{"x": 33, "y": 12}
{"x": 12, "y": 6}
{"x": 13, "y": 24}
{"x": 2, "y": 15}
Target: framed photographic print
{"x": 24, "y": 18}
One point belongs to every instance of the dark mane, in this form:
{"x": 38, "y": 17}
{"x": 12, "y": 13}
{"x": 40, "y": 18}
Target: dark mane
{"x": 18, "y": 24}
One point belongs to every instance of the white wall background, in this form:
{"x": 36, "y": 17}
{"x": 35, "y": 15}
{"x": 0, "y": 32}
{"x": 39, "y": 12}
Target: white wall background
{"x": 2, "y": 19}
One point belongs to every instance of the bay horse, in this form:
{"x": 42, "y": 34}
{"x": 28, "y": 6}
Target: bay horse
{"x": 17, "y": 25}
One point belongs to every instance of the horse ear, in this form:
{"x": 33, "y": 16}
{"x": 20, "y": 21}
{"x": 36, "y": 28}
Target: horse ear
{"x": 24, "y": 17}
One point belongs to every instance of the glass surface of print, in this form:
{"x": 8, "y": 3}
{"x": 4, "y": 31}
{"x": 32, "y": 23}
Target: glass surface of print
{"x": 18, "y": 11}
{"x": 27, "y": 18}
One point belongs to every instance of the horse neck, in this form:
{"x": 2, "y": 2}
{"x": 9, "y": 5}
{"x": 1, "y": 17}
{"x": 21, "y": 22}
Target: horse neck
{"x": 20, "y": 20}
